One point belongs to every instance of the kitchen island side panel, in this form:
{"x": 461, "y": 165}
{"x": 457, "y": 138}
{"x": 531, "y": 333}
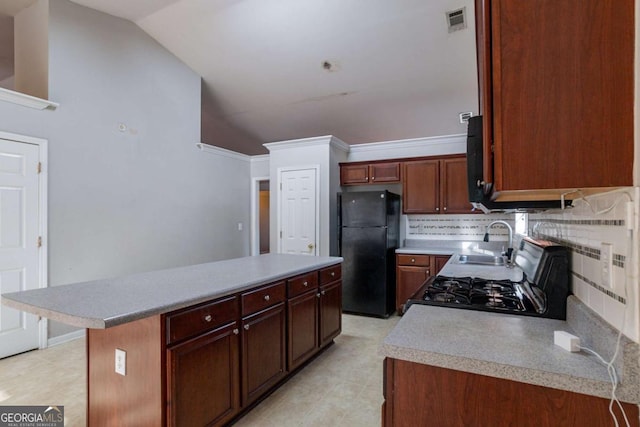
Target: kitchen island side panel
{"x": 135, "y": 399}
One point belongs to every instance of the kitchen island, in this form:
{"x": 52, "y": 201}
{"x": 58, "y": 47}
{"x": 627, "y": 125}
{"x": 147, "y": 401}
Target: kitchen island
{"x": 201, "y": 344}
{"x": 452, "y": 367}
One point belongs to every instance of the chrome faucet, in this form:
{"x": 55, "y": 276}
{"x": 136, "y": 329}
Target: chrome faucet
{"x": 510, "y": 247}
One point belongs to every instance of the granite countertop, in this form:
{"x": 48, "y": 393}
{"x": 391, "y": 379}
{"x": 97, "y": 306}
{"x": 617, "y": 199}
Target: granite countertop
{"x": 105, "y": 303}
{"x": 518, "y": 348}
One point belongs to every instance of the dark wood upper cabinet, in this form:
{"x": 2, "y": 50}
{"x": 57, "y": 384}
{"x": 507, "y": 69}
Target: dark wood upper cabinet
{"x": 421, "y": 186}
{"x": 556, "y": 84}
{"x": 454, "y": 192}
{"x": 436, "y": 186}
{"x": 358, "y": 173}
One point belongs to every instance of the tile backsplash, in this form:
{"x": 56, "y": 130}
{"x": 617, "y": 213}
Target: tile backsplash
{"x": 583, "y": 229}
{"x": 456, "y": 227}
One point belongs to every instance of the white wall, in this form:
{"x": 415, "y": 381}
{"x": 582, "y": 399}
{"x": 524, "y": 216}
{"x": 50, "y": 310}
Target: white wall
{"x": 308, "y": 152}
{"x": 31, "y": 49}
{"x": 139, "y": 200}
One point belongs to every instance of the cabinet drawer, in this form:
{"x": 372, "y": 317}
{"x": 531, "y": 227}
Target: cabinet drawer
{"x": 302, "y": 283}
{"x": 193, "y": 321}
{"x": 261, "y": 298}
{"x": 330, "y": 274}
{"x": 418, "y": 260}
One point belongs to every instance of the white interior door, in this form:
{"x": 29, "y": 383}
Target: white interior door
{"x": 19, "y": 263}
{"x": 298, "y": 222}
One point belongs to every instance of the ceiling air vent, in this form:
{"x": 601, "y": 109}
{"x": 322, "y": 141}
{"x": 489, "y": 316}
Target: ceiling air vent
{"x": 456, "y": 19}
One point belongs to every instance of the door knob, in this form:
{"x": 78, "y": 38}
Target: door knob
{"x": 310, "y": 246}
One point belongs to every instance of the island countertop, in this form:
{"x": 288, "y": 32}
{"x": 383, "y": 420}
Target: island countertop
{"x": 105, "y": 303}
{"x": 518, "y": 348}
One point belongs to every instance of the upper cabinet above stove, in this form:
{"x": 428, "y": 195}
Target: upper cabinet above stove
{"x": 556, "y": 84}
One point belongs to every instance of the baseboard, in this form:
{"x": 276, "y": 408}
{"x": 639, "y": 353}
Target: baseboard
{"x": 61, "y": 339}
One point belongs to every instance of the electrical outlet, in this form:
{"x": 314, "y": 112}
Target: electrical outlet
{"x": 606, "y": 258}
{"x": 121, "y": 362}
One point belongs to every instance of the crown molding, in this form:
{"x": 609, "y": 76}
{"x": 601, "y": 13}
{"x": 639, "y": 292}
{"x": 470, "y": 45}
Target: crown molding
{"x": 212, "y": 149}
{"x": 308, "y": 142}
{"x": 26, "y": 100}
{"x": 409, "y": 143}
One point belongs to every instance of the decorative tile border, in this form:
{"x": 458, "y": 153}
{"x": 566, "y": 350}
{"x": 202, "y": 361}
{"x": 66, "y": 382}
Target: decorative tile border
{"x": 594, "y": 253}
{"x": 608, "y": 292}
{"x": 608, "y": 222}
{"x": 438, "y": 226}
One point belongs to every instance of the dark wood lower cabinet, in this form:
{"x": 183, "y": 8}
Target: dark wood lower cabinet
{"x": 423, "y": 395}
{"x": 203, "y": 379}
{"x": 330, "y": 312}
{"x": 263, "y": 352}
{"x": 207, "y": 364}
{"x": 303, "y": 327}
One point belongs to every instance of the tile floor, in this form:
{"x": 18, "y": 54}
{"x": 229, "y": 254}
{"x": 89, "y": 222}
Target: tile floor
{"x": 342, "y": 387}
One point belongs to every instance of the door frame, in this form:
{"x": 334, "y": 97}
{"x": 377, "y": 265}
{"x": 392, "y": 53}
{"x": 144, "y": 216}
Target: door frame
{"x": 255, "y": 214}
{"x": 280, "y": 171}
{"x": 42, "y": 218}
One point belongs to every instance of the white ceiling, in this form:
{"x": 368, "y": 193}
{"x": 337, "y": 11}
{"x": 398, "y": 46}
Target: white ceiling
{"x": 399, "y": 73}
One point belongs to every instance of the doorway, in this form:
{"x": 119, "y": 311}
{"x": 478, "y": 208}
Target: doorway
{"x": 298, "y": 210}
{"x": 260, "y": 193}
{"x": 22, "y": 237}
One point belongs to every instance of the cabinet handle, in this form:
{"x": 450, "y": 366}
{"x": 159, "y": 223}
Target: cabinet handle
{"x": 305, "y": 283}
{"x": 266, "y": 298}
{"x": 333, "y": 273}
{"x": 318, "y": 294}
{"x": 236, "y": 331}
{"x": 246, "y": 327}
{"x": 208, "y": 318}
{"x": 323, "y": 292}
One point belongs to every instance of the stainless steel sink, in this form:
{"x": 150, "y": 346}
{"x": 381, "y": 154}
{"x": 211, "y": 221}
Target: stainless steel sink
{"x": 481, "y": 259}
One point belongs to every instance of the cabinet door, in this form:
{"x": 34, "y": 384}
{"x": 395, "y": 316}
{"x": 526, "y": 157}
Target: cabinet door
{"x": 384, "y": 172}
{"x": 263, "y": 352}
{"x": 354, "y": 174}
{"x": 330, "y": 312}
{"x": 408, "y": 281}
{"x": 439, "y": 261}
{"x": 203, "y": 379}
{"x": 302, "y": 327}
{"x": 454, "y": 191}
{"x": 562, "y": 94}
{"x": 421, "y": 187}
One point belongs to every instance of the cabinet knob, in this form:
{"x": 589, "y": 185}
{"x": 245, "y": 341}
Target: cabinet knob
{"x": 333, "y": 273}
{"x": 413, "y": 260}
{"x": 445, "y": 208}
{"x": 373, "y": 178}
{"x": 266, "y": 298}
{"x": 323, "y": 292}
{"x": 246, "y": 327}
{"x": 318, "y": 294}
{"x": 236, "y": 331}
{"x": 305, "y": 283}
{"x": 437, "y": 209}
{"x": 208, "y": 318}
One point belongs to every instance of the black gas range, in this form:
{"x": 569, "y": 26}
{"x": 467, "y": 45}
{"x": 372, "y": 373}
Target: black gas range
{"x": 542, "y": 292}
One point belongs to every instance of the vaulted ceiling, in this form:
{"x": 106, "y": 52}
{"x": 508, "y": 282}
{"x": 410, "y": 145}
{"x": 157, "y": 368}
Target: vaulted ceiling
{"x": 362, "y": 70}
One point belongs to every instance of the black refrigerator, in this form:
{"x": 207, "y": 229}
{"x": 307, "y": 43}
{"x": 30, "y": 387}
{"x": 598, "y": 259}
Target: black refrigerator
{"x": 368, "y": 234}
